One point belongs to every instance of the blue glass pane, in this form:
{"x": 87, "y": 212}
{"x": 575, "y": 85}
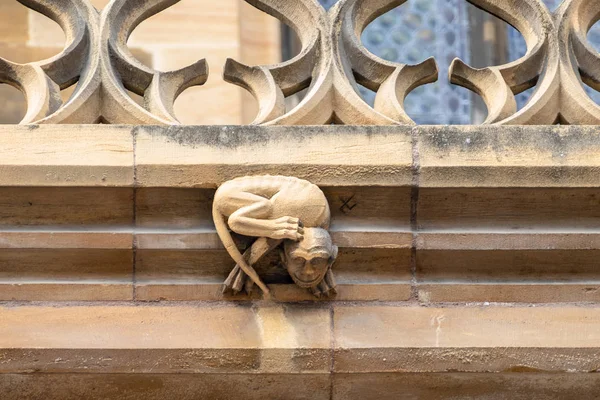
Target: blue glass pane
{"x": 414, "y": 32}
{"x": 328, "y": 3}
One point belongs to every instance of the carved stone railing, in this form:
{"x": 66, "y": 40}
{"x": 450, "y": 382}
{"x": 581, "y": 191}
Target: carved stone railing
{"x": 330, "y": 65}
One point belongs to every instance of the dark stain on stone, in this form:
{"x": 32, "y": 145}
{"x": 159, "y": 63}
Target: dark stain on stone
{"x": 232, "y": 137}
{"x": 558, "y": 140}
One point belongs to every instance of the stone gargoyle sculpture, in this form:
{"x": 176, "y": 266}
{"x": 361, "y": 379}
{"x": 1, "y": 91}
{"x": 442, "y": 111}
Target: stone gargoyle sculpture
{"x": 287, "y": 213}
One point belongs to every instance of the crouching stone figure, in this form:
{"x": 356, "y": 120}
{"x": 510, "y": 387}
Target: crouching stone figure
{"x": 281, "y": 212}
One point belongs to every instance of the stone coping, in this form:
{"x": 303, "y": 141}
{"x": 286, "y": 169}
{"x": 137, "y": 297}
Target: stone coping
{"x": 205, "y": 156}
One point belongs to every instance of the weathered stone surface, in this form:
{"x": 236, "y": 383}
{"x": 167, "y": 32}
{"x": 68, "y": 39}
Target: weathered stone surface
{"x": 184, "y": 157}
{"x": 301, "y": 386}
{"x": 422, "y": 216}
{"x": 299, "y": 339}
{"x": 331, "y": 62}
{"x": 500, "y": 157}
{"x": 164, "y": 386}
{"x": 165, "y": 339}
{"x": 455, "y": 327}
{"x": 77, "y": 55}
{"x": 66, "y": 156}
{"x": 66, "y": 208}
{"x": 543, "y": 291}
{"x": 63, "y": 274}
{"x": 510, "y": 385}
{"x": 394, "y": 338}
{"x": 466, "y": 339}
{"x": 407, "y": 229}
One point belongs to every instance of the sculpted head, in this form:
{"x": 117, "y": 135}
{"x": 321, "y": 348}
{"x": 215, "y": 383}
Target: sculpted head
{"x": 309, "y": 259}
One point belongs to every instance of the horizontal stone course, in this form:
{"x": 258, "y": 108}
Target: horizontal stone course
{"x": 205, "y": 156}
{"x": 199, "y": 338}
{"x": 66, "y": 156}
{"x": 422, "y": 214}
{"x": 330, "y": 351}
{"x": 381, "y": 386}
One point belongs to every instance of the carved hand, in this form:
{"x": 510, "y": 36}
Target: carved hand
{"x": 287, "y": 228}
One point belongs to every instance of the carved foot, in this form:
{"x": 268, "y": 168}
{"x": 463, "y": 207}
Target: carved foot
{"x": 327, "y": 287}
{"x": 238, "y": 281}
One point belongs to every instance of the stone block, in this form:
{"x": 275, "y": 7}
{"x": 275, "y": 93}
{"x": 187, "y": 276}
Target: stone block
{"x": 405, "y": 339}
{"x": 79, "y": 272}
{"x": 447, "y": 386}
{"x": 165, "y": 386}
{"x": 66, "y": 207}
{"x": 146, "y": 339}
{"x": 204, "y": 158}
{"x": 533, "y": 267}
{"x": 494, "y": 156}
{"x": 60, "y": 156}
{"x": 508, "y": 209}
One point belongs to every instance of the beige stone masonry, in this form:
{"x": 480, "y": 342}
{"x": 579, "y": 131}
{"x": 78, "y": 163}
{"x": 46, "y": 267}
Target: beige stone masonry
{"x": 165, "y": 339}
{"x": 297, "y": 352}
{"x": 66, "y": 156}
{"x": 297, "y": 339}
{"x": 393, "y": 339}
{"x": 470, "y": 156}
{"x": 459, "y": 157}
{"x": 181, "y": 157}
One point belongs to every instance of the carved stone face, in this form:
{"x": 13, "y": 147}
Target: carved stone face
{"x": 308, "y": 260}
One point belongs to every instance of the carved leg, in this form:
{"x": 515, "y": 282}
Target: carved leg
{"x": 237, "y": 279}
{"x": 253, "y": 220}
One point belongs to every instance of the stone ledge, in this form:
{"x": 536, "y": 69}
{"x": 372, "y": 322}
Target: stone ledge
{"x": 452, "y": 386}
{"x": 205, "y": 156}
{"x": 66, "y": 155}
{"x": 164, "y": 339}
{"x": 466, "y": 339}
{"x": 519, "y": 156}
{"x": 197, "y": 338}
